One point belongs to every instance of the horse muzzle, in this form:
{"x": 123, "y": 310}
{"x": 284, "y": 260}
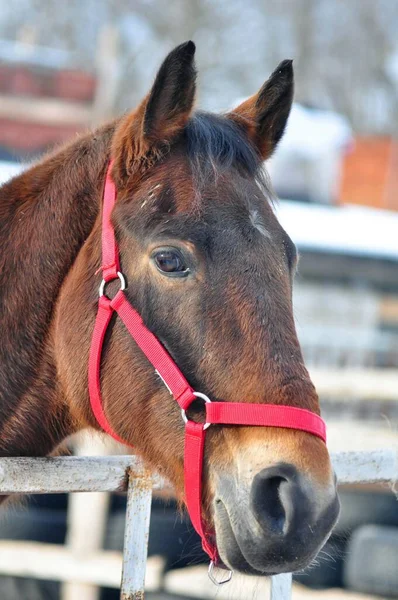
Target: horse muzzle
{"x": 277, "y": 524}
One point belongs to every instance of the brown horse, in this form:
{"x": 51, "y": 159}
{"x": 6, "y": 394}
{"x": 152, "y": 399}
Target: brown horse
{"x": 209, "y": 269}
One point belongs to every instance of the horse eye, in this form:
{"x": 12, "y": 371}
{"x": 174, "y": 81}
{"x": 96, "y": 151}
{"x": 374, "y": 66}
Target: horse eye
{"x": 170, "y": 262}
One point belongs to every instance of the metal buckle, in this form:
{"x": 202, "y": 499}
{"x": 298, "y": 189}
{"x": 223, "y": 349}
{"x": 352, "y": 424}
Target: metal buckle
{"x": 202, "y": 397}
{"x": 212, "y": 578}
{"x": 103, "y": 283}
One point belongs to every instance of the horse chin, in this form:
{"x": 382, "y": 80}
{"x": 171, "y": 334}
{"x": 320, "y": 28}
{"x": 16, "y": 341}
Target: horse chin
{"x": 251, "y": 556}
{"x": 230, "y": 552}
{"x": 242, "y": 566}
{"x": 232, "y": 558}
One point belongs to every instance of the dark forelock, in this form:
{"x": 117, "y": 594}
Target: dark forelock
{"x": 216, "y": 144}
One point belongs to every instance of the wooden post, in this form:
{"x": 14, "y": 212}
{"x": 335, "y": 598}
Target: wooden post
{"x": 49, "y": 475}
{"x": 136, "y": 536}
{"x": 281, "y": 587}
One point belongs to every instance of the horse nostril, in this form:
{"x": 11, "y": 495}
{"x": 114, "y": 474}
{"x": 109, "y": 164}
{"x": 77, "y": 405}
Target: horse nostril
{"x": 272, "y": 496}
{"x": 267, "y": 503}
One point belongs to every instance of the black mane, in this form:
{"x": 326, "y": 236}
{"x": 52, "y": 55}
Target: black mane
{"x": 216, "y": 144}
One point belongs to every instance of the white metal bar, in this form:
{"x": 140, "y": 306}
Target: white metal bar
{"x": 378, "y": 466}
{"x": 364, "y": 384}
{"x": 87, "y": 518}
{"x": 108, "y": 474}
{"x": 136, "y": 536}
{"x": 28, "y": 475}
{"x": 64, "y": 474}
{"x": 59, "y": 563}
{"x": 281, "y": 587}
{"x": 52, "y": 561}
{"x": 68, "y": 474}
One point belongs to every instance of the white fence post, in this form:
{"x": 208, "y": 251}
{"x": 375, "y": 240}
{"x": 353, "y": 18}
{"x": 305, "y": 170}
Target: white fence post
{"x": 116, "y": 473}
{"x": 87, "y": 518}
{"x": 281, "y": 587}
{"x": 135, "y": 551}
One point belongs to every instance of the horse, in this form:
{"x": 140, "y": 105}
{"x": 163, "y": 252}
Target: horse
{"x": 209, "y": 269}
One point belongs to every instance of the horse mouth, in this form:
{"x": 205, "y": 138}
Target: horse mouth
{"x": 231, "y": 555}
{"x": 236, "y": 553}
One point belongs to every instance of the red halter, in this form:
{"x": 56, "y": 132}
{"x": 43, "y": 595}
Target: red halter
{"x": 221, "y": 413}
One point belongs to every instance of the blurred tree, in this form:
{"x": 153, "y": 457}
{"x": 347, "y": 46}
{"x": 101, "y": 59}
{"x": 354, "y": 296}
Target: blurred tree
{"x": 346, "y": 53}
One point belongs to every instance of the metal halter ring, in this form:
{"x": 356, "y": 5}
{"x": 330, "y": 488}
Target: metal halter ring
{"x": 103, "y": 283}
{"x": 203, "y": 397}
{"x": 210, "y": 573}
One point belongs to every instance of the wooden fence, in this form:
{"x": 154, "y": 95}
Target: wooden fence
{"x": 125, "y": 473}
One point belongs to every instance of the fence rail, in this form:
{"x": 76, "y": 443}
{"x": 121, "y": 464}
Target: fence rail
{"x": 125, "y": 473}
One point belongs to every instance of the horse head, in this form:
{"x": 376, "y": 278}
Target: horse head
{"x": 210, "y": 269}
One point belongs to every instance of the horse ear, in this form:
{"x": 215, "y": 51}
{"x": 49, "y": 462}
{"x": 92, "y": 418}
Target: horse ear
{"x": 143, "y": 135}
{"x": 264, "y": 115}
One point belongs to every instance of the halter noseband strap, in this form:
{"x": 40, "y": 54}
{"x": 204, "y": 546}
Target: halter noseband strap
{"x": 220, "y": 413}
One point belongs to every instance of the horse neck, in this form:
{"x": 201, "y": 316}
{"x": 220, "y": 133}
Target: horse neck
{"x": 46, "y": 214}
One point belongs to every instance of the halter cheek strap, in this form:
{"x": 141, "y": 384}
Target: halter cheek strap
{"x": 217, "y": 413}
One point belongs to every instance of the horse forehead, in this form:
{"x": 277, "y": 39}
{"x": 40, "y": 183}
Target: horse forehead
{"x": 243, "y": 216}
{"x": 216, "y": 183}
{"x": 227, "y": 200}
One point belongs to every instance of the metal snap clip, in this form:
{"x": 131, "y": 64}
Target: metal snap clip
{"x": 213, "y": 578}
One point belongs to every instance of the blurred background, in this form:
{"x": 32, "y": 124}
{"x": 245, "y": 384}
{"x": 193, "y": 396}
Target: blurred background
{"x": 69, "y": 66}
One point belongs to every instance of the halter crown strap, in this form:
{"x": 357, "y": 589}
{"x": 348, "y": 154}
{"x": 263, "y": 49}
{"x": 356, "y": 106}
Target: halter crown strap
{"x": 110, "y": 253}
{"x": 220, "y": 413}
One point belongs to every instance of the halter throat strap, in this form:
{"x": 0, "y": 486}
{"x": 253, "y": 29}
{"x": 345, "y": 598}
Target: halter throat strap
{"x": 217, "y": 413}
